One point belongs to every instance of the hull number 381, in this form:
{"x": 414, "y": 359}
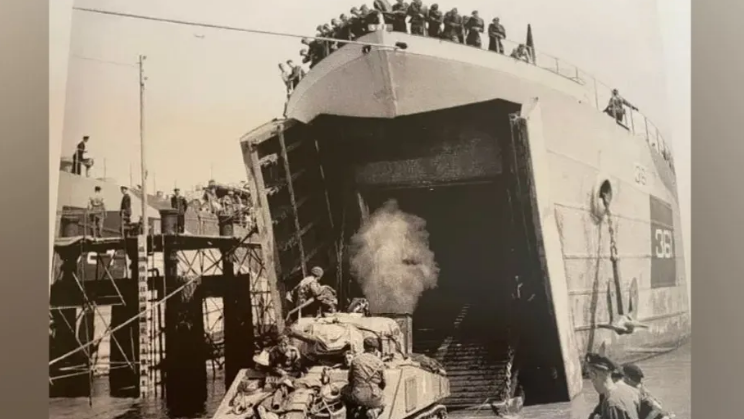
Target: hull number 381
{"x": 663, "y": 258}
{"x": 663, "y": 243}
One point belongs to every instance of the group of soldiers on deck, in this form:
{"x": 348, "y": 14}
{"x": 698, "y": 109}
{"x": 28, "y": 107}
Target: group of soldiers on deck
{"x": 423, "y": 21}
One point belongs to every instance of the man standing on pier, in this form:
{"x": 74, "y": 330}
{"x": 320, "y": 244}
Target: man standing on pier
{"x": 125, "y": 211}
{"x": 97, "y": 211}
{"x": 650, "y": 407}
{"x": 180, "y": 204}
{"x": 617, "y": 400}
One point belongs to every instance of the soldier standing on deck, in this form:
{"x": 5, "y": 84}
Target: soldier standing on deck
{"x": 78, "y": 159}
{"x": 418, "y": 17}
{"x": 369, "y": 17}
{"x": 125, "y": 211}
{"x": 616, "y": 106}
{"x": 296, "y": 74}
{"x": 97, "y": 210}
{"x": 400, "y": 12}
{"x": 496, "y": 33}
{"x": 356, "y": 23}
{"x": 452, "y": 26}
{"x": 345, "y": 28}
{"x": 434, "y": 17}
{"x": 180, "y": 204}
{"x": 474, "y": 28}
{"x": 381, "y": 7}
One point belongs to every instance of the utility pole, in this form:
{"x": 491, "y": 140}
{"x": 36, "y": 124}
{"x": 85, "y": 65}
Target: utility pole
{"x": 142, "y": 251}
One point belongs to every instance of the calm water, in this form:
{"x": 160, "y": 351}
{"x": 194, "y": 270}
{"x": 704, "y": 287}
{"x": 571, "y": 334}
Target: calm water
{"x": 667, "y": 377}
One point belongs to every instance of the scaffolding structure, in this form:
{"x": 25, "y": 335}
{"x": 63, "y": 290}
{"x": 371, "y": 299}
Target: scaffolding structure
{"x": 223, "y": 272}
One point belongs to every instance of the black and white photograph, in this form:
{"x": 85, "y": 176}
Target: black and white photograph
{"x": 400, "y": 209}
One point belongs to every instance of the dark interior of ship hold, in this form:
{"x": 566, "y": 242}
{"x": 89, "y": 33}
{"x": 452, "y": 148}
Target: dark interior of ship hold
{"x": 463, "y": 171}
{"x": 454, "y": 169}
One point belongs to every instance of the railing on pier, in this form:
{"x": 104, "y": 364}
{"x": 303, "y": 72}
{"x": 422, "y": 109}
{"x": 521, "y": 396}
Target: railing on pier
{"x": 598, "y": 92}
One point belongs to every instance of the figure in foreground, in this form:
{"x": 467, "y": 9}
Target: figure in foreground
{"x": 367, "y": 381}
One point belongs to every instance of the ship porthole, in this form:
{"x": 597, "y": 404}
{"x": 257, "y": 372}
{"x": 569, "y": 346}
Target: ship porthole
{"x": 602, "y": 199}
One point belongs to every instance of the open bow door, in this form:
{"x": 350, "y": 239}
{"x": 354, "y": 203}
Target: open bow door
{"x": 291, "y": 205}
{"x": 532, "y": 207}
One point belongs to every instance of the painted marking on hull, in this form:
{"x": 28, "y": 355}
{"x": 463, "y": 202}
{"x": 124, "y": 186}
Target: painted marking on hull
{"x": 641, "y": 175}
{"x": 663, "y": 251}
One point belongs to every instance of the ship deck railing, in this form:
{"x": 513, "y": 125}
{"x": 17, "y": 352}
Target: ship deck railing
{"x": 637, "y": 124}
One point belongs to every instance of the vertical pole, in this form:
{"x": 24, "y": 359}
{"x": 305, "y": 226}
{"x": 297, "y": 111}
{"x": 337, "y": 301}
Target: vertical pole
{"x": 142, "y": 251}
{"x": 596, "y": 93}
{"x": 124, "y": 382}
{"x": 238, "y": 315}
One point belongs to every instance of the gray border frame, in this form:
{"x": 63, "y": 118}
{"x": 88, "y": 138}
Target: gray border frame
{"x": 717, "y": 70}
{"x": 24, "y": 118}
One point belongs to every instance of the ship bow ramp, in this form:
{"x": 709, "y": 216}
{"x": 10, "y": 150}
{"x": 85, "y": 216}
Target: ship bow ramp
{"x": 493, "y": 165}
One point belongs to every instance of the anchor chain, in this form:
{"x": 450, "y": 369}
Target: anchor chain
{"x": 507, "y": 391}
{"x": 613, "y": 253}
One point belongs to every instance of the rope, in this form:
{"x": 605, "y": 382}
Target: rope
{"x": 157, "y": 304}
{"x": 228, "y": 28}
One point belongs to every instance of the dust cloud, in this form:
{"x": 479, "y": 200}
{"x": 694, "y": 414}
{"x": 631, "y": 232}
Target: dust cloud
{"x": 391, "y": 260}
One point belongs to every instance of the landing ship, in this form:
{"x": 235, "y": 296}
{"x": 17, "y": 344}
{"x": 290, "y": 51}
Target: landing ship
{"x": 556, "y": 228}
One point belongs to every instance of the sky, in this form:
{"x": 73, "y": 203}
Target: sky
{"x": 207, "y": 87}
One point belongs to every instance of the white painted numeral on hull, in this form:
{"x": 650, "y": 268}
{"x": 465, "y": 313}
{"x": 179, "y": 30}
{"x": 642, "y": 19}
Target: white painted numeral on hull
{"x": 664, "y": 246}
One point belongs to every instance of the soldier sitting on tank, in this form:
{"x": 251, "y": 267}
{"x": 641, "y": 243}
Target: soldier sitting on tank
{"x": 616, "y": 106}
{"x": 285, "y": 360}
{"x": 324, "y": 297}
{"x": 364, "y": 393}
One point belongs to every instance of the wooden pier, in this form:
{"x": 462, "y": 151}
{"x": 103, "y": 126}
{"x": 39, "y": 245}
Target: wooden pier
{"x": 183, "y": 271}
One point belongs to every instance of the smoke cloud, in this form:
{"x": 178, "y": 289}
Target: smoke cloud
{"x": 391, "y": 260}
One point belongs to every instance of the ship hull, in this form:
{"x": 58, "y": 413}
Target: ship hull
{"x": 572, "y": 149}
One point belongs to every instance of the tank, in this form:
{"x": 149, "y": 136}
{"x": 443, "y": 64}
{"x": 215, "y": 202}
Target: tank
{"x": 416, "y": 384}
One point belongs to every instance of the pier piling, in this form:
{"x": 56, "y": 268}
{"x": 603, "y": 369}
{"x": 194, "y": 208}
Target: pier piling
{"x": 68, "y": 378}
{"x": 185, "y": 366}
{"x": 238, "y": 316}
{"x": 124, "y": 381}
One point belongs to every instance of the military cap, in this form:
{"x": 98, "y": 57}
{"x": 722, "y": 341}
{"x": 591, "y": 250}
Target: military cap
{"x": 317, "y": 271}
{"x": 600, "y": 362}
